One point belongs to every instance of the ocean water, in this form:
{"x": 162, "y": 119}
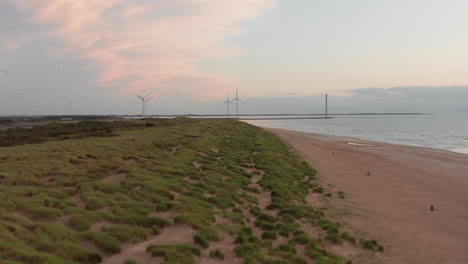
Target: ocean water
{"x": 449, "y": 132}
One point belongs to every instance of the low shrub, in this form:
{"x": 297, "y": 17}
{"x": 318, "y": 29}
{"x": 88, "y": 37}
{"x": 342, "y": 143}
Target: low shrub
{"x": 346, "y": 236}
{"x": 106, "y": 242}
{"x": 369, "y": 244}
{"x": 318, "y": 190}
{"x": 179, "y": 253}
{"x": 132, "y": 234}
{"x": 246, "y": 249}
{"x": 80, "y": 254}
{"x": 298, "y": 260}
{"x": 300, "y": 238}
{"x": 241, "y": 239}
{"x": 94, "y": 203}
{"x": 269, "y": 235}
{"x": 287, "y": 248}
{"x": 335, "y": 238}
{"x": 267, "y": 218}
{"x": 245, "y": 230}
{"x": 341, "y": 194}
{"x": 253, "y": 239}
{"x": 156, "y": 230}
{"x": 264, "y": 225}
{"x": 286, "y": 218}
{"x": 216, "y": 253}
{"x": 163, "y": 207}
{"x": 201, "y": 240}
{"x": 44, "y": 213}
{"x": 80, "y": 222}
{"x": 204, "y": 236}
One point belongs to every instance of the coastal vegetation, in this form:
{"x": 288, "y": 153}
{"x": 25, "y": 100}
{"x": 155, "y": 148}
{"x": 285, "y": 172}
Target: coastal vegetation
{"x": 83, "y": 192}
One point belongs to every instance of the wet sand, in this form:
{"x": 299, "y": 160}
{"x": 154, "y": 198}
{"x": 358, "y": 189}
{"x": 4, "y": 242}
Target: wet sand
{"x": 390, "y": 189}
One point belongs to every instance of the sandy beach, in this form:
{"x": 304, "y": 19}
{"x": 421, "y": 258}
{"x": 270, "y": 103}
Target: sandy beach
{"x": 390, "y": 189}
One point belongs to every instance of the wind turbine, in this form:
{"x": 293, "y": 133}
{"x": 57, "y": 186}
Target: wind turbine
{"x": 227, "y": 103}
{"x": 237, "y": 104}
{"x": 146, "y": 100}
{"x": 69, "y": 105}
{"x": 143, "y": 99}
{"x": 326, "y": 106}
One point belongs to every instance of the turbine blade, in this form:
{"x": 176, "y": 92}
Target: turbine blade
{"x": 227, "y": 102}
{"x": 147, "y": 95}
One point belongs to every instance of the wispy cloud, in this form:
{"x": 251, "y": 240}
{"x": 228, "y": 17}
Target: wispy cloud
{"x": 139, "y": 44}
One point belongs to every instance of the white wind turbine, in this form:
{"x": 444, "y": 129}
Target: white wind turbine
{"x": 237, "y": 104}
{"x": 146, "y": 100}
{"x": 227, "y": 103}
{"x": 143, "y": 99}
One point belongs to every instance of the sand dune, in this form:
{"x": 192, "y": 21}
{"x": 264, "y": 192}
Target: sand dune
{"x": 391, "y": 188}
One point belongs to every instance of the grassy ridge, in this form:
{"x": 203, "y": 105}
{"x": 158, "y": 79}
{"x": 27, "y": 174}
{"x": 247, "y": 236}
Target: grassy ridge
{"x": 200, "y": 172}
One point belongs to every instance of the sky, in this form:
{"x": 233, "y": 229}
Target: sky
{"x": 92, "y": 56}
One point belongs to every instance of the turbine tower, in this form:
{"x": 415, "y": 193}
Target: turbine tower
{"x": 146, "y": 100}
{"x": 326, "y": 106}
{"x": 237, "y": 104}
{"x": 227, "y": 103}
{"x": 143, "y": 99}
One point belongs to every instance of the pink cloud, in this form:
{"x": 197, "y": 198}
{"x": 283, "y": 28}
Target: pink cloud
{"x": 149, "y": 44}
{"x": 136, "y": 10}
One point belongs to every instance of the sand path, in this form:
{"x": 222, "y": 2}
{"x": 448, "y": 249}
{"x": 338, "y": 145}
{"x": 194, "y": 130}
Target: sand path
{"x": 177, "y": 234}
{"x": 392, "y": 204}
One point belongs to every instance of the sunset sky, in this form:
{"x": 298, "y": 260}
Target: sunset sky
{"x": 282, "y": 55}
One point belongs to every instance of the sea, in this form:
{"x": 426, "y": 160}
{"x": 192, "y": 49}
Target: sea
{"x": 448, "y": 132}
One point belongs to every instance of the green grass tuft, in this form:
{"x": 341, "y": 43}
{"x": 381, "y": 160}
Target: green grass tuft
{"x": 269, "y": 235}
{"x": 174, "y": 254}
{"x": 217, "y": 254}
{"x": 106, "y": 242}
{"x": 80, "y": 222}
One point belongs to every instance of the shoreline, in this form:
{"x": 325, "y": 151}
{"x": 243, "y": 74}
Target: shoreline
{"x": 369, "y": 140}
{"x": 454, "y": 142}
{"x": 392, "y": 204}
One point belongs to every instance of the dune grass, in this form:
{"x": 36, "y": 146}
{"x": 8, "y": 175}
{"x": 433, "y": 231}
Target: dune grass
{"x": 56, "y": 178}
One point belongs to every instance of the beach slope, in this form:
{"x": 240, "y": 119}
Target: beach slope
{"x": 390, "y": 190}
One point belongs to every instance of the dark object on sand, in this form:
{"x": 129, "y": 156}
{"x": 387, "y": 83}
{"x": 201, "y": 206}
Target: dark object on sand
{"x": 432, "y": 208}
{"x": 368, "y": 173}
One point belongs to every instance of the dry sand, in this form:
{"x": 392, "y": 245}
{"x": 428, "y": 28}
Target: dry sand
{"x": 392, "y": 204}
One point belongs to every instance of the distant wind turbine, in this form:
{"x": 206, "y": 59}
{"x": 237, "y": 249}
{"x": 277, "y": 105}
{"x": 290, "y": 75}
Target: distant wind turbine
{"x": 69, "y": 105}
{"x": 146, "y": 100}
{"x": 237, "y": 104}
{"x": 326, "y": 106}
{"x": 143, "y": 99}
{"x": 227, "y": 103}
